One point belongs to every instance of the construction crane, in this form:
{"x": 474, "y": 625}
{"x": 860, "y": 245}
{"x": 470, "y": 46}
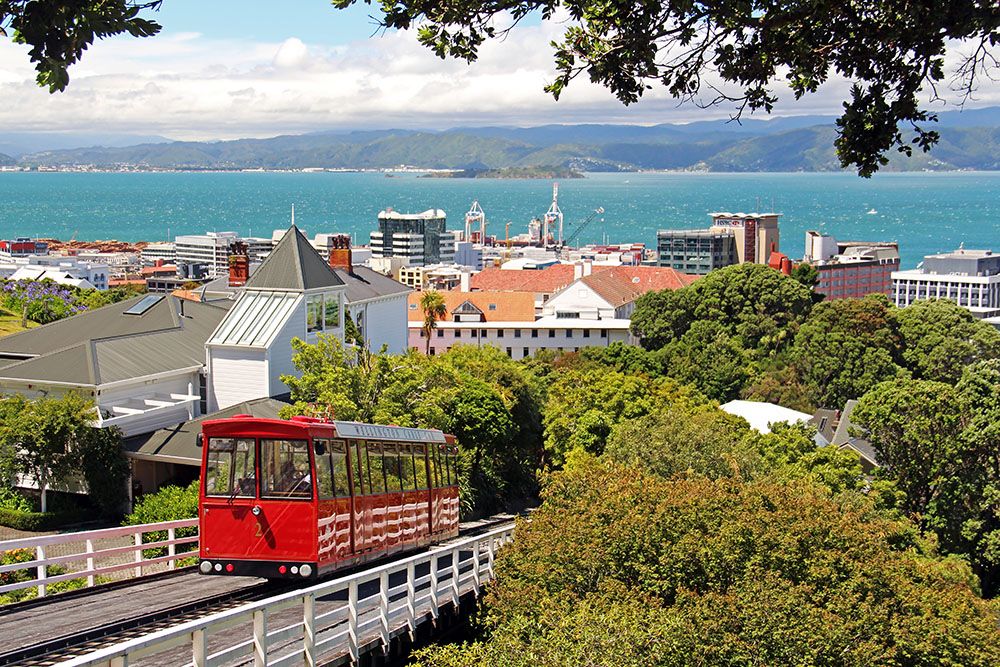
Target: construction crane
{"x": 553, "y": 217}
{"x": 475, "y": 216}
{"x": 579, "y": 228}
{"x": 506, "y": 235}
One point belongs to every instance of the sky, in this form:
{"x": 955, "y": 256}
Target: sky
{"x": 223, "y": 69}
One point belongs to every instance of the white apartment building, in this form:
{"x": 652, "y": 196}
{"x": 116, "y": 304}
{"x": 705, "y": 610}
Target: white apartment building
{"x": 970, "y": 278}
{"x": 158, "y": 251}
{"x": 69, "y": 271}
{"x": 210, "y": 250}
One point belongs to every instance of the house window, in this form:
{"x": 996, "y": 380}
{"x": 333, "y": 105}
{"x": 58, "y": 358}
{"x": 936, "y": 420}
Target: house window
{"x": 458, "y": 333}
{"x": 492, "y": 306}
{"x": 510, "y": 352}
{"x": 202, "y": 394}
{"x": 604, "y": 333}
{"x": 314, "y": 313}
{"x": 525, "y": 352}
{"x": 499, "y": 333}
{"x": 568, "y": 316}
{"x": 569, "y": 333}
{"x": 440, "y": 333}
{"x": 331, "y": 311}
{"x": 517, "y": 333}
{"x": 586, "y": 333}
{"x": 483, "y": 333}
{"x": 534, "y": 333}
{"x": 552, "y": 333}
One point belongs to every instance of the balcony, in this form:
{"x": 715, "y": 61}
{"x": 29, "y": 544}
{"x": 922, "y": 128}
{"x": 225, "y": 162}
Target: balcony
{"x": 141, "y": 415}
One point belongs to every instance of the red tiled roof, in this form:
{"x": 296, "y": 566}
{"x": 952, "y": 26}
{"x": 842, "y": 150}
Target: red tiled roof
{"x": 540, "y": 281}
{"x": 622, "y": 284}
{"x": 496, "y": 306}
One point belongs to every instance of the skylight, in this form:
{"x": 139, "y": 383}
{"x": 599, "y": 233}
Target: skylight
{"x": 144, "y": 304}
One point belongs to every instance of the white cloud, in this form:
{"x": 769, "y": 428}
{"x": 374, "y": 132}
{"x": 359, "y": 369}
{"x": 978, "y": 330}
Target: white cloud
{"x": 187, "y": 85}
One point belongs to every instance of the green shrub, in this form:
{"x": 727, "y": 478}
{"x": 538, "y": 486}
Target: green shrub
{"x": 170, "y": 503}
{"x": 34, "y": 522}
{"x": 12, "y": 500}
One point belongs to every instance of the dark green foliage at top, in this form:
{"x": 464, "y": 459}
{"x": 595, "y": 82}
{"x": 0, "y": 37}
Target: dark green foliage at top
{"x": 940, "y": 338}
{"x": 59, "y": 31}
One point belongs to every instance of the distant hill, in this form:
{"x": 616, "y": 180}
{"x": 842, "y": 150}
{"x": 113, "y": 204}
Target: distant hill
{"x": 7, "y": 161}
{"x": 969, "y": 140}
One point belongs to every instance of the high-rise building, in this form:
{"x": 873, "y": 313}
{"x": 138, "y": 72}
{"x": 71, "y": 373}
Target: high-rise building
{"x": 852, "y": 269}
{"x": 695, "y": 251}
{"x": 210, "y": 250}
{"x": 756, "y": 234}
{"x": 970, "y": 278}
{"x": 420, "y": 238}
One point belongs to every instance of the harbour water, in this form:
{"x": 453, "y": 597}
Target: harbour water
{"x": 924, "y": 212}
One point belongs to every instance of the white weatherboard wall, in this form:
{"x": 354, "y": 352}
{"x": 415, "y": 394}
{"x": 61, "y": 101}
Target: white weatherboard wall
{"x": 383, "y": 322}
{"x": 579, "y": 298}
{"x": 127, "y": 394}
{"x": 279, "y": 352}
{"x": 236, "y": 374}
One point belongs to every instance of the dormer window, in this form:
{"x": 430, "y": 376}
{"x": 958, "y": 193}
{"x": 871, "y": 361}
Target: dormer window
{"x": 322, "y": 312}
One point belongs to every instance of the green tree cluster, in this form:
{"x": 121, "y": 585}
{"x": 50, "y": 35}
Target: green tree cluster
{"x": 52, "y": 440}
{"x": 622, "y": 567}
{"x": 748, "y": 331}
{"x": 489, "y": 402}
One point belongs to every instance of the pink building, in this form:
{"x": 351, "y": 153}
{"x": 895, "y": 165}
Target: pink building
{"x": 851, "y": 269}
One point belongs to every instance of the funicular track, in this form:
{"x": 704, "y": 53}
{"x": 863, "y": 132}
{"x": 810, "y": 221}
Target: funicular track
{"x": 56, "y": 648}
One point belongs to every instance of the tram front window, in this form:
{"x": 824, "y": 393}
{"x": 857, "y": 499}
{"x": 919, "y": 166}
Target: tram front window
{"x": 230, "y": 468}
{"x": 285, "y": 469}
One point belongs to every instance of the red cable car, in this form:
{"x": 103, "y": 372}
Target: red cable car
{"x": 304, "y": 497}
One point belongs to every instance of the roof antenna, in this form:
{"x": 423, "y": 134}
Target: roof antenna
{"x": 293, "y": 215}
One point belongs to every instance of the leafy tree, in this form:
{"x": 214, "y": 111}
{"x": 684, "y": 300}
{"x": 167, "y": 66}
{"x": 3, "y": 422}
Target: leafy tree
{"x": 622, "y": 567}
{"x": 940, "y": 338}
{"x": 755, "y": 304}
{"x": 709, "y": 358}
{"x": 434, "y": 309}
{"x": 780, "y": 383}
{"x": 51, "y": 440}
{"x": 59, "y": 31}
{"x": 846, "y": 347}
{"x": 584, "y": 406}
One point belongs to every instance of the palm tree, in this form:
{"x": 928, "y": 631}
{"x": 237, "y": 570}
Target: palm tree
{"x": 432, "y": 303}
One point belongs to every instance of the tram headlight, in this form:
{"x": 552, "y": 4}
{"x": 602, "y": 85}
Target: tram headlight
{"x": 205, "y": 567}
{"x": 306, "y": 570}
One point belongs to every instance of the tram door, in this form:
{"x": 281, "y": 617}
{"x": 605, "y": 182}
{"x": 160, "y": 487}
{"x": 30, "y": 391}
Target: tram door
{"x": 362, "y": 506}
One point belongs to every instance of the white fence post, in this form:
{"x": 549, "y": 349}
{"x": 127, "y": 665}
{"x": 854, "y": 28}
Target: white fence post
{"x": 172, "y": 549}
{"x": 199, "y": 648}
{"x": 90, "y": 563}
{"x": 260, "y": 638}
{"x": 475, "y": 568}
{"x": 411, "y": 595}
{"x": 383, "y": 583}
{"x": 352, "y": 620}
{"x": 434, "y": 587}
{"x": 119, "y": 661}
{"x": 40, "y": 570}
{"x": 489, "y": 557}
{"x": 309, "y": 629}
{"x": 138, "y": 554}
{"x": 455, "y": 591}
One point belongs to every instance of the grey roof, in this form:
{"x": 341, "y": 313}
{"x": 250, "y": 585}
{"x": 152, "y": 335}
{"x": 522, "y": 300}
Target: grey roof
{"x": 256, "y": 319}
{"x": 177, "y": 443}
{"x": 843, "y": 438}
{"x": 99, "y": 323}
{"x": 825, "y": 421}
{"x": 179, "y": 343}
{"x": 363, "y": 284}
{"x": 294, "y": 264}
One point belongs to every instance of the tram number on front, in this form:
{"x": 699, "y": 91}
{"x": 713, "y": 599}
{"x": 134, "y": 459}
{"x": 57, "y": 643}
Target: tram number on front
{"x": 260, "y": 530}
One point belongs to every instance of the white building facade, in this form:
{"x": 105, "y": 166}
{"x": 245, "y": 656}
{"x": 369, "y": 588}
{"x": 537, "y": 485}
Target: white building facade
{"x": 970, "y": 278}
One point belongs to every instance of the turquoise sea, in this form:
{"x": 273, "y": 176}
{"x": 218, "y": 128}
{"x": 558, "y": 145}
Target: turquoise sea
{"x": 925, "y": 213}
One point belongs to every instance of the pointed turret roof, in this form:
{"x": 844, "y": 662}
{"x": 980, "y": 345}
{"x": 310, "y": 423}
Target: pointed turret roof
{"x": 294, "y": 264}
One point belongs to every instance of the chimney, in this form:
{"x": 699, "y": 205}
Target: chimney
{"x": 463, "y": 281}
{"x": 588, "y": 267}
{"x": 340, "y": 253}
{"x": 239, "y": 264}
{"x": 577, "y": 270}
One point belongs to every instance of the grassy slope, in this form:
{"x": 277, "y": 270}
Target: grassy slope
{"x": 11, "y": 324}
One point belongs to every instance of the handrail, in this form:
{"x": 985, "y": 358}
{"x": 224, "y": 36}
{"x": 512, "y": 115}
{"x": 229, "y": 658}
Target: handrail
{"x": 43, "y": 545}
{"x": 372, "y": 619}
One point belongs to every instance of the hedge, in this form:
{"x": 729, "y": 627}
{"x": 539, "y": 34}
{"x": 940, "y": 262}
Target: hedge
{"x": 38, "y": 521}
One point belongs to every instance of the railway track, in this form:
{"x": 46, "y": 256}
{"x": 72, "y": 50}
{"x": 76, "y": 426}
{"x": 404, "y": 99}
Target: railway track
{"x": 52, "y": 651}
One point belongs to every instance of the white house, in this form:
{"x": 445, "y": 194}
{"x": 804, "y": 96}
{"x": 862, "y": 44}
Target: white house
{"x": 611, "y": 293}
{"x": 293, "y": 294}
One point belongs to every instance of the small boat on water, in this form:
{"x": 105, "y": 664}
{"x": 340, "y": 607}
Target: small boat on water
{"x": 872, "y": 212}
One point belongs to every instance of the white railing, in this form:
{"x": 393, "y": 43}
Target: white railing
{"x": 129, "y": 556}
{"x": 341, "y": 617}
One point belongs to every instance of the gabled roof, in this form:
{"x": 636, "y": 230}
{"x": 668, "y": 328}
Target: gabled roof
{"x": 92, "y": 361}
{"x": 177, "y": 443}
{"x": 843, "y": 438}
{"x": 620, "y": 285}
{"x": 293, "y": 265}
{"x": 468, "y": 308}
{"x": 542, "y": 281}
{"x": 495, "y": 306}
{"x": 256, "y": 319}
{"x": 364, "y": 284}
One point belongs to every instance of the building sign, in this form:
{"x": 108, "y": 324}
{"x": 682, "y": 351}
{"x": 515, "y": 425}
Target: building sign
{"x": 379, "y": 432}
{"x": 731, "y": 222}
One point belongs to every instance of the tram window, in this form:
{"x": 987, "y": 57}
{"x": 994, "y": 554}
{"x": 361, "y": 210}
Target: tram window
{"x": 376, "y": 468}
{"x": 230, "y": 469}
{"x": 324, "y": 475}
{"x": 436, "y": 466}
{"x": 285, "y": 469}
{"x": 420, "y": 465}
{"x": 406, "y": 467}
{"x": 390, "y": 459}
{"x": 361, "y": 467}
{"x": 338, "y": 454}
